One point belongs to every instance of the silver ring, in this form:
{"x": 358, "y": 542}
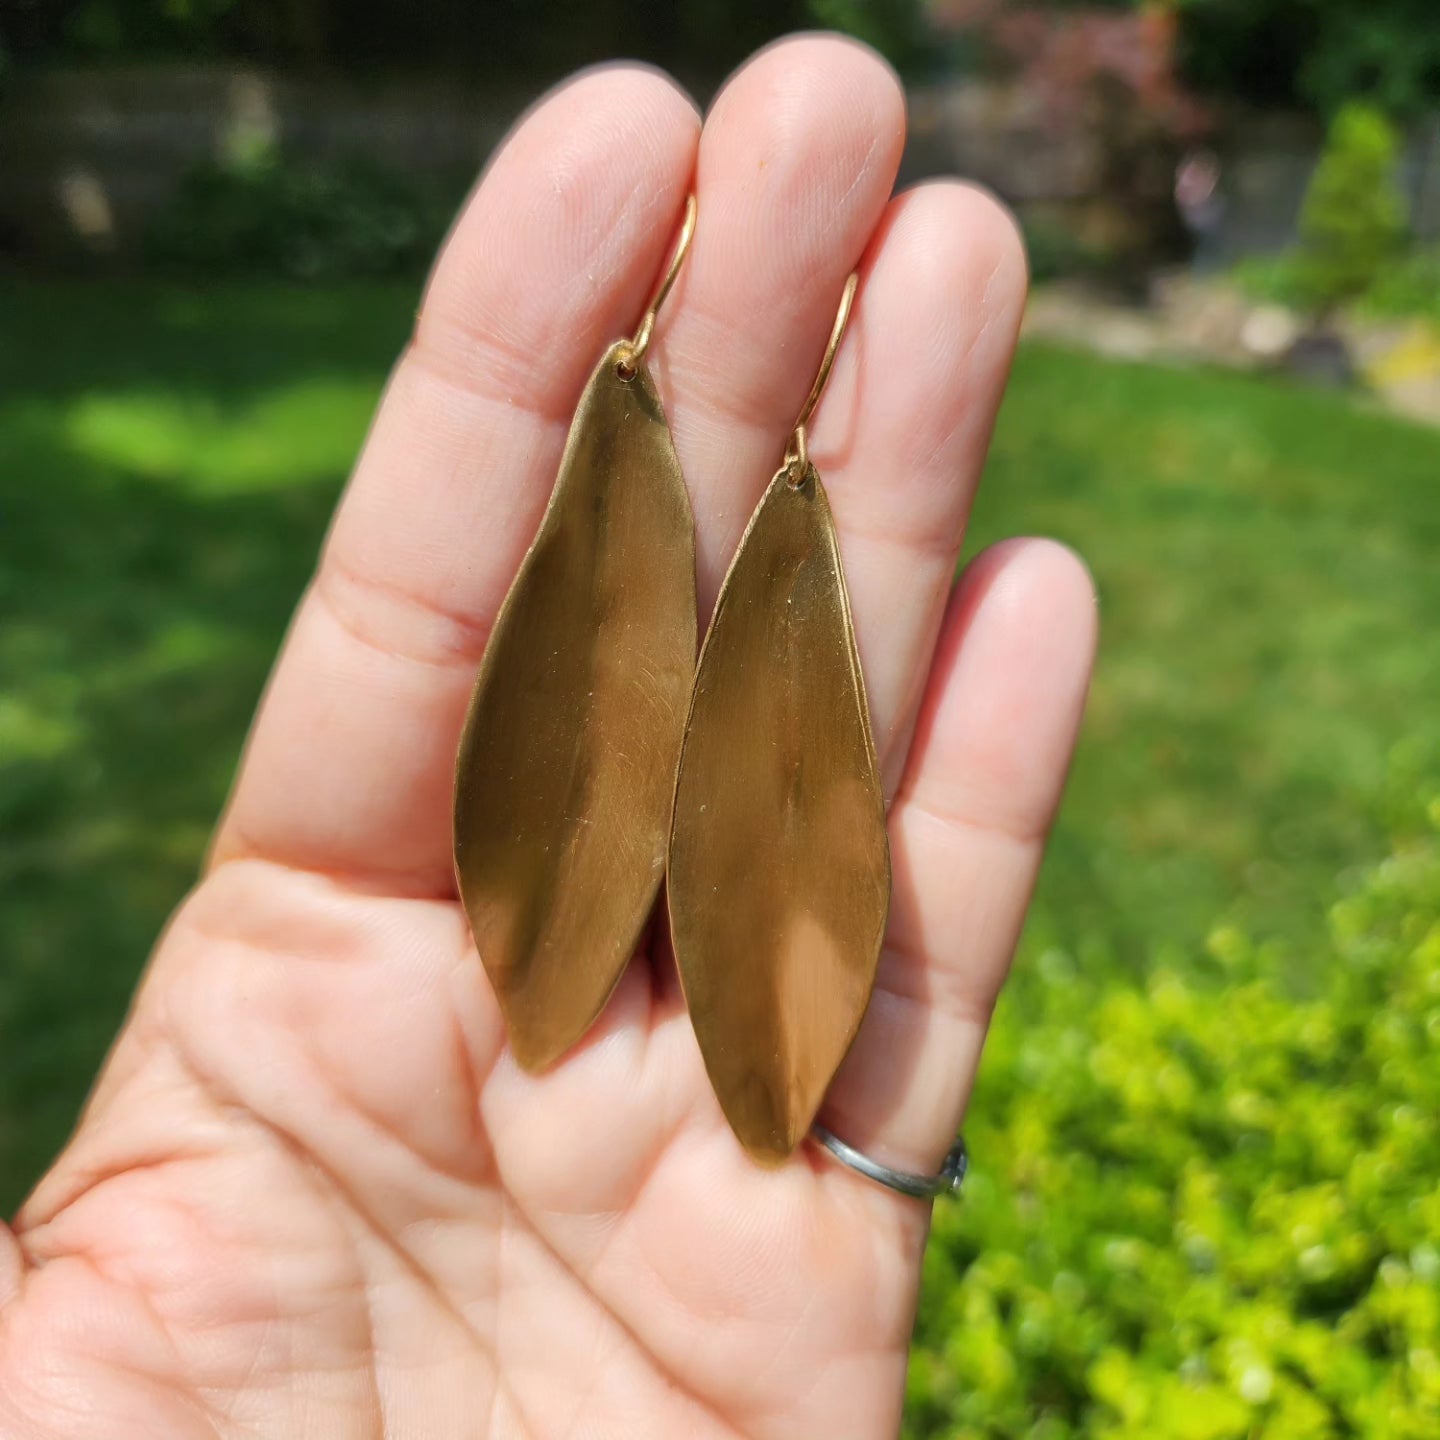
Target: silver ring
{"x": 922, "y": 1187}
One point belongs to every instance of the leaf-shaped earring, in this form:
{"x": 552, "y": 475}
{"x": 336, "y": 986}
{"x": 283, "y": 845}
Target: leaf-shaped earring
{"x": 564, "y": 775}
{"x": 779, "y": 870}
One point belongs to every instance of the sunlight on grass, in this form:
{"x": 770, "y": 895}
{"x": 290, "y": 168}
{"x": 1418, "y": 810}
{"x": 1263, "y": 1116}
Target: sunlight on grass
{"x": 29, "y": 731}
{"x": 302, "y": 433}
{"x": 1266, "y": 560}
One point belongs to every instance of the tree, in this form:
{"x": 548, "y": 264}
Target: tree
{"x": 1314, "y": 54}
{"x": 1353, "y": 218}
{"x": 901, "y": 30}
{"x": 1318, "y": 54}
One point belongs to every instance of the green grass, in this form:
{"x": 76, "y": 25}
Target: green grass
{"x": 1268, "y": 563}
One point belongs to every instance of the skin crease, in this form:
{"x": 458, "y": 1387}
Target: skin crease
{"x": 312, "y": 1195}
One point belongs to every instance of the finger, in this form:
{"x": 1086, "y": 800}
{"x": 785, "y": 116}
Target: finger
{"x": 993, "y": 742}
{"x": 902, "y": 432}
{"x": 796, "y": 164}
{"x": 349, "y": 766}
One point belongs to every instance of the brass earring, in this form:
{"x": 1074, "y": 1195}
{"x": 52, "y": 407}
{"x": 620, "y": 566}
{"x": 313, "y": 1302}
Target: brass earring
{"x": 565, "y": 768}
{"x": 779, "y": 868}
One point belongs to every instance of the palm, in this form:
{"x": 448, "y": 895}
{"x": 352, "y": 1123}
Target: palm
{"x": 313, "y": 1194}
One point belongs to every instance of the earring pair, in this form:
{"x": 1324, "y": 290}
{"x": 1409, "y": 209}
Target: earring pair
{"x": 599, "y": 757}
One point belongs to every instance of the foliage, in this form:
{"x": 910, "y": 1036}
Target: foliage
{"x": 1351, "y": 226}
{"x": 115, "y": 26}
{"x": 1273, "y": 279}
{"x": 1112, "y": 77}
{"x": 1353, "y": 217}
{"x": 1060, "y": 246}
{"x": 74, "y": 29}
{"x": 901, "y": 30}
{"x": 1054, "y": 249}
{"x": 1202, "y": 1208}
{"x": 265, "y": 214}
{"x": 498, "y": 38}
{"x": 1410, "y": 287}
{"x": 1316, "y": 53}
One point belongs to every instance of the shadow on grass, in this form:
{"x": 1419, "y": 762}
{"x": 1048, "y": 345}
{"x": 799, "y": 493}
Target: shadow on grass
{"x": 167, "y": 467}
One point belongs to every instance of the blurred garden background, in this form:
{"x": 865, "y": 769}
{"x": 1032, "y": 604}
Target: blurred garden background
{"x": 1206, "y": 1190}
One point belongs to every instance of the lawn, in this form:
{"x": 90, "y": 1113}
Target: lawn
{"x": 1268, "y": 562}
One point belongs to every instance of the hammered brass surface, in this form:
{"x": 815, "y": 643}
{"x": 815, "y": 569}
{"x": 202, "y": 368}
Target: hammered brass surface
{"x": 565, "y": 772}
{"x": 779, "y": 875}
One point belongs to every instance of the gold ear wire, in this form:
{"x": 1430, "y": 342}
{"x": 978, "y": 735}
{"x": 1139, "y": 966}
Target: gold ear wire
{"x": 640, "y": 342}
{"x": 797, "y": 452}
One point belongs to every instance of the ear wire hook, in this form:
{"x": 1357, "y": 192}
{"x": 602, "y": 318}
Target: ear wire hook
{"x": 636, "y": 347}
{"x": 797, "y": 452}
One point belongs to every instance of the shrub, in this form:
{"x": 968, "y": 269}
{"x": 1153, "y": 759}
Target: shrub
{"x": 1202, "y": 1208}
{"x": 901, "y": 30}
{"x": 1353, "y": 217}
{"x": 1056, "y": 250}
{"x": 267, "y": 214}
{"x": 1410, "y": 287}
{"x": 1273, "y": 280}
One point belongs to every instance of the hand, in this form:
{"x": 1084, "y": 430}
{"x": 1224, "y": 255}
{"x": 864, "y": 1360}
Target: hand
{"x": 312, "y": 1194}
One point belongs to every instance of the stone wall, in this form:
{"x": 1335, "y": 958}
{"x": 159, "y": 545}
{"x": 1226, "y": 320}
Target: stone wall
{"x": 86, "y": 157}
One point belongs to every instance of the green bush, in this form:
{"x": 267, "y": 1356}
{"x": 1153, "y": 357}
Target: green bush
{"x": 1410, "y": 287}
{"x": 901, "y": 30}
{"x": 266, "y": 214}
{"x": 1353, "y": 218}
{"x": 1202, "y": 1208}
{"x": 1273, "y": 279}
{"x": 1057, "y": 251}
{"x": 1351, "y": 228}
{"x": 1277, "y": 54}
{"x": 1406, "y": 289}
